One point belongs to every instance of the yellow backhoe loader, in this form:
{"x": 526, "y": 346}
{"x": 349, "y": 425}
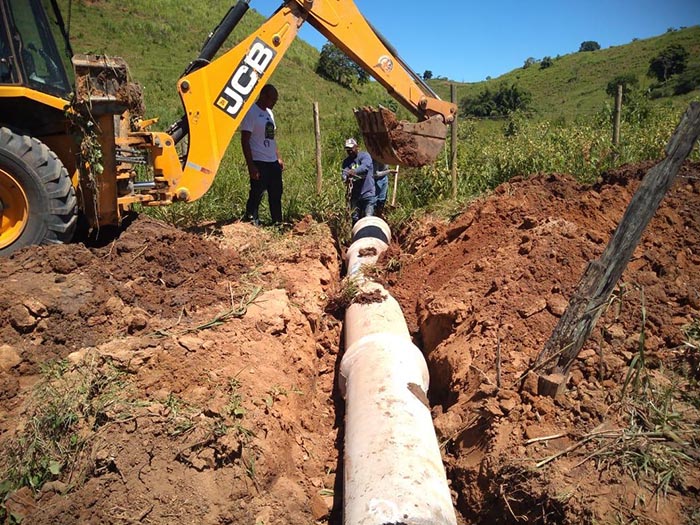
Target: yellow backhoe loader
{"x": 48, "y": 177}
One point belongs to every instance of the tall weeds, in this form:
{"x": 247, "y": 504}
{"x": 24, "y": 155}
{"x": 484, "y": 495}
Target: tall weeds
{"x": 488, "y": 155}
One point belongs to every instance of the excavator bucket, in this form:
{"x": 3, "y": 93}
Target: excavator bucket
{"x": 400, "y": 142}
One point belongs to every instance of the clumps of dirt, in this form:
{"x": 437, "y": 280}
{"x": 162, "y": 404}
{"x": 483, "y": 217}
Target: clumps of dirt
{"x": 61, "y": 298}
{"x": 394, "y": 142}
{"x": 131, "y": 94}
{"x": 481, "y": 296}
{"x": 340, "y": 298}
{"x": 195, "y": 415}
{"x": 99, "y": 78}
{"x": 403, "y": 145}
{"x": 217, "y": 406}
{"x": 347, "y": 292}
{"x": 371, "y": 297}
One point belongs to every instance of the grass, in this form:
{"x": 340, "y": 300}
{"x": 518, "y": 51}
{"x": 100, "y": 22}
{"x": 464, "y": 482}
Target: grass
{"x": 574, "y": 87}
{"x": 343, "y": 296}
{"x": 660, "y": 440}
{"x": 69, "y": 404}
{"x": 234, "y": 312}
{"x": 691, "y": 357}
{"x": 235, "y": 404}
{"x": 180, "y": 416}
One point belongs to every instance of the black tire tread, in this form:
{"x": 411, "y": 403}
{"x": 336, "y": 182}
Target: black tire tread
{"x": 61, "y": 217}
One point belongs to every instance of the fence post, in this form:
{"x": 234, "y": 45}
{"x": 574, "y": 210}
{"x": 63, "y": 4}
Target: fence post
{"x": 616, "y": 120}
{"x": 319, "y": 168}
{"x": 453, "y": 143}
{"x": 601, "y": 276}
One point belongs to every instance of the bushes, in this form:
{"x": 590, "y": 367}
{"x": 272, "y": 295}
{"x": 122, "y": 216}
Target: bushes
{"x": 628, "y": 81}
{"x": 335, "y": 65}
{"x": 501, "y": 102}
{"x": 589, "y": 45}
{"x": 671, "y": 61}
{"x": 687, "y": 81}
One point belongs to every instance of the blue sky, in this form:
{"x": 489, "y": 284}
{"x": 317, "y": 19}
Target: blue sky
{"x": 468, "y": 41}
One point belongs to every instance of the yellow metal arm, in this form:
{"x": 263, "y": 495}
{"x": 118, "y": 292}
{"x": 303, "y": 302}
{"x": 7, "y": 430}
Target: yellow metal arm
{"x": 341, "y": 22}
{"x": 217, "y": 97}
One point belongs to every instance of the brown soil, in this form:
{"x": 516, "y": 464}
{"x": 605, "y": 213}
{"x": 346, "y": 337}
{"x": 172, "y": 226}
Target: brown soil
{"x": 204, "y": 366}
{"x": 400, "y": 142}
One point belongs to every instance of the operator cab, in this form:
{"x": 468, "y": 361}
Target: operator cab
{"x": 28, "y": 52}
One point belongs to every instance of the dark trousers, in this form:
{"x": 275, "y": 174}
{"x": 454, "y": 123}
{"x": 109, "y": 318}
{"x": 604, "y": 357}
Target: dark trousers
{"x": 271, "y": 181}
{"x": 360, "y": 207}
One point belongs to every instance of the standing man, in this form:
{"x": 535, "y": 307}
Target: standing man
{"x": 381, "y": 181}
{"x": 262, "y": 156}
{"x": 358, "y": 174}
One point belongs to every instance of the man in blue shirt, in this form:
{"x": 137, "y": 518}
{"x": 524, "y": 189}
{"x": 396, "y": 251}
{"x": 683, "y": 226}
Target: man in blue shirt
{"x": 358, "y": 174}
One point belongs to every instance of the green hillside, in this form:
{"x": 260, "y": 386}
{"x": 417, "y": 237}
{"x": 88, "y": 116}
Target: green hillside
{"x": 574, "y": 86}
{"x": 159, "y": 38}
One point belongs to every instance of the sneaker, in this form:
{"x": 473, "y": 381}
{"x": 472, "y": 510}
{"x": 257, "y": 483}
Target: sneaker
{"x": 252, "y": 220}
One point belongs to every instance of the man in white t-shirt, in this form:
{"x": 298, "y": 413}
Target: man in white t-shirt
{"x": 262, "y": 156}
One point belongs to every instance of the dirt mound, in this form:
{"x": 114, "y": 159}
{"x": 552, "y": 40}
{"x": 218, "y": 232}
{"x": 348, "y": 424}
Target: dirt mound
{"x": 177, "y": 384}
{"x": 169, "y": 377}
{"x": 65, "y": 297}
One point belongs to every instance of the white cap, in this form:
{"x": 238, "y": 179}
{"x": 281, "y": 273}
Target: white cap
{"x": 350, "y": 143}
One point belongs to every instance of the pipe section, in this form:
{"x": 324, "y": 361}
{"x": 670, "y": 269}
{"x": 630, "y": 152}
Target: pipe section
{"x": 393, "y": 472}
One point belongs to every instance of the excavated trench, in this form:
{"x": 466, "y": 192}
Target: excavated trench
{"x": 200, "y": 368}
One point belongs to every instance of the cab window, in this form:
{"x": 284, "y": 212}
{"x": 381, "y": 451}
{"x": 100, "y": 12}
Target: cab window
{"x": 38, "y": 55}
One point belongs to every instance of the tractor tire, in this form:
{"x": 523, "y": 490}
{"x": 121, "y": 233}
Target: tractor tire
{"x": 38, "y": 204}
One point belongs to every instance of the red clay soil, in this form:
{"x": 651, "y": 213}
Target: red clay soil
{"x": 494, "y": 282}
{"x": 198, "y": 371}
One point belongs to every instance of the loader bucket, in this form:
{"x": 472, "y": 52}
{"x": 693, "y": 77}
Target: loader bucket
{"x": 400, "y": 142}
{"x": 103, "y": 84}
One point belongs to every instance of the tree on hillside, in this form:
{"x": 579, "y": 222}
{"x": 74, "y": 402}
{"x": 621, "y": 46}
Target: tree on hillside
{"x": 589, "y": 45}
{"x": 529, "y": 61}
{"x": 336, "y": 66}
{"x": 628, "y": 81}
{"x": 504, "y": 101}
{"x": 427, "y": 74}
{"x": 546, "y": 62}
{"x": 512, "y": 98}
{"x": 670, "y": 61}
{"x": 687, "y": 81}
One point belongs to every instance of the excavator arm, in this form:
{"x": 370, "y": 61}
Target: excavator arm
{"x": 216, "y": 95}
{"x": 393, "y": 142}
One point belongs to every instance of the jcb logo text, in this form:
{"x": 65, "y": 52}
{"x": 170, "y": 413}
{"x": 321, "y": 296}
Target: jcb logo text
{"x": 245, "y": 78}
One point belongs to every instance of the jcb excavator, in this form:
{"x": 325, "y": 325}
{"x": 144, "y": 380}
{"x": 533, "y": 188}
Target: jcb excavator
{"x": 47, "y": 177}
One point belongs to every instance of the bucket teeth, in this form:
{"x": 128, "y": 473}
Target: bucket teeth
{"x": 400, "y": 142}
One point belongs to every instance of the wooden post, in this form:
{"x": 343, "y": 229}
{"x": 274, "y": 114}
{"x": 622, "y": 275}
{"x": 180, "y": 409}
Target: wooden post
{"x": 453, "y": 143}
{"x": 601, "y": 276}
{"x": 319, "y": 168}
{"x": 396, "y": 187}
{"x": 616, "y": 121}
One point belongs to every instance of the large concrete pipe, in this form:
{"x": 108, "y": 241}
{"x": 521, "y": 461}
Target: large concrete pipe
{"x": 393, "y": 471}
